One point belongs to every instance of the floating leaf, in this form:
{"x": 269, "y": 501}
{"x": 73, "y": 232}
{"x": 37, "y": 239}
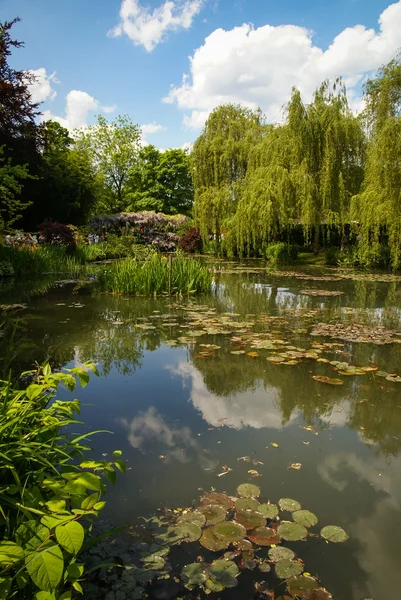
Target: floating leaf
{"x": 248, "y": 490}
{"x": 305, "y": 518}
{"x": 220, "y": 499}
{"x": 295, "y": 466}
{"x": 250, "y": 519}
{"x": 229, "y": 531}
{"x": 274, "y": 444}
{"x": 393, "y": 378}
{"x": 270, "y": 511}
{"x": 335, "y": 534}
{"x": 209, "y": 541}
{"x": 264, "y": 566}
{"x": 195, "y": 517}
{"x": 289, "y": 504}
{"x": 243, "y": 545}
{"x": 168, "y": 536}
{"x": 222, "y": 574}
{"x": 329, "y": 380}
{"x": 299, "y": 585}
{"x": 193, "y": 575}
{"x": 292, "y": 531}
{"x": 381, "y": 374}
{"x": 247, "y": 504}
{"x": 252, "y": 354}
{"x": 280, "y": 553}
{"x": 192, "y": 532}
{"x": 286, "y": 568}
{"x": 320, "y": 594}
{"x": 264, "y": 536}
{"x": 213, "y": 513}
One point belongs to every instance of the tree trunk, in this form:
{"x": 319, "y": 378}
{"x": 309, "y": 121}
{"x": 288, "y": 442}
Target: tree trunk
{"x": 316, "y": 245}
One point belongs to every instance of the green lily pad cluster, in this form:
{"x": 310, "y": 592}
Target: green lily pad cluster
{"x": 247, "y": 534}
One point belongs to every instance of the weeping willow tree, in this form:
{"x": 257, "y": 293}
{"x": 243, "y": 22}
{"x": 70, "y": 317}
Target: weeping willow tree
{"x": 378, "y": 207}
{"x": 302, "y": 172}
{"x": 219, "y": 163}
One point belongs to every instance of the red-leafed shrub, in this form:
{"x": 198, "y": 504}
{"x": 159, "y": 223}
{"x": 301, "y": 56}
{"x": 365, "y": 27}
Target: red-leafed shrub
{"x": 191, "y": 241}
{"x": 58, "y": 234}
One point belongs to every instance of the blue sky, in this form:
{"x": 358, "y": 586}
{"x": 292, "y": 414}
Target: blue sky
{"x": 130, "y": 56}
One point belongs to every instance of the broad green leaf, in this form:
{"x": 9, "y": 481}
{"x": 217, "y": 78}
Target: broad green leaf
{"x": 99, "y": 505}
{"x": 90, "y": 501}
{"x": 5, "y": 587}
{"x": 46, "y": 567}
{"x": 10, "y": 553}
{"x": 52, "y": 521}
{"x": 70, "y": 536}
{"x": 78, "y": 587}
{"x": 117, "y": 453}
{"x": 45, "y": 596}
{"x": 110, "y": 475}
{"x": 121, "y": 466}
{"x": 34, "y": 390}
{"x": 56, "y": 504}
{"x": 75, "y": 571}
{"x": 66, "y": 596}
{"x": 335, "y": 534}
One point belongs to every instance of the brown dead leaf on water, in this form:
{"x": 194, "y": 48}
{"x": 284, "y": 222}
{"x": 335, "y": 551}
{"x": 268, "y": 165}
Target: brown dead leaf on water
{"x": 274, "y": 444}
{"x": 306, "y": 443}
{"x": 308, "y": 428}
{"x": 257, "y": 462}
{"x": 245, "y": 458}
{"x": 162, "y": 456}
{"x": 295, "y": 466}
{"x": 223, "y": 419}
{"x": 254, "y": 473}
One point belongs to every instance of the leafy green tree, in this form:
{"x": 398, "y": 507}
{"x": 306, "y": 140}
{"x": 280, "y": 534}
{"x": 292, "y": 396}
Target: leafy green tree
{"x": 11, "y": 186}
{"x": 378, "y": 207}
{"x": 113, "y": 149}
{"x": 219, "y": 163}
{"x": 161, "y": 181}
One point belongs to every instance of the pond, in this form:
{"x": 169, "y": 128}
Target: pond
{"x": 214, "y": 391}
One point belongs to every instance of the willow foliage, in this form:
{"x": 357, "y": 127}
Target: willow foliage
{"x": 378, "y": 207}
{"x": 219, "y": 163}
{"x": 302, "y": 172}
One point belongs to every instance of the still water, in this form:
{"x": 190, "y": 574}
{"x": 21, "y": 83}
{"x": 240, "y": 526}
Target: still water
{"x": 183, "y": 413}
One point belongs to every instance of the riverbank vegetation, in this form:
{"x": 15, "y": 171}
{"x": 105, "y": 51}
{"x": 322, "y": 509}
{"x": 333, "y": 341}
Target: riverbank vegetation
{"x": 50, "y": 492}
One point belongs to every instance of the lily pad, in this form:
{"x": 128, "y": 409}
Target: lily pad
{"x": 289, "y": 504}
{"x": 219, "y": 499}
{"x": 169, "y": 536}
{"x": 222, "y": 574}
{"x": 286, "y": 568}
{"x": 319, "y": 594}
{"x": 280, "y": 553}
{"x": 329, "y": 380}
{"x": 248, "y": 490}
{"x": 292, "y": 531}
{"x": 270, "y": 511}
{"x": 209, "y": 541}
{"x": 247, "y": 504}
{"x": 213, "y": 513}
{"x": 264, "y": 566}
{"x": 193, "y": 575}
{"x": 299, "y": 586}
{"x": 335, "y": 534}
{"x": 264, "y": 536}
{"x": 244, "y": 545}
{"x": 195, "y": 517}
{"x": 305, "y": 518}
{"x": 229, "y": 531}
{"x": 192, "y": 532}
{"x": 250, "y": 519}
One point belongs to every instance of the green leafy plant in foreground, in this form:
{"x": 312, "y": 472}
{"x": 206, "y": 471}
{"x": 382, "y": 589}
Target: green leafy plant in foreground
{"x": 238, "y": 533}
{"x": 49, "y": 495}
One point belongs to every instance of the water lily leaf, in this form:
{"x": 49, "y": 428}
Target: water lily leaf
{"x": 247, "y": 504}
{"x": 280, "y": 553}
{"x": 264, "y": 566}
{"x": 301, "y": 584}
{"x": 270, "y": 511}
{"x": 381, "y": 374}
{"x": 332, "y": 533}
{"x": 237, "y": 352}
{"x": 248, "y": 490}
{"x": 224, "y": 573}
{"x": 195, "y": 517}
{"x": 250, "y": 519}
{"x": 169, "y": 536}
{"x": 286, "y": 568}
{"x": 220, "y": 499}
{"x": 193, "y": 574}
{"x": 393, "y": 378}
{"x": 264, "y": 536}
{"x": 289, "y": 504}
{"x": 305, "y": 518}
{"x": 209, "y": 541}
{"x": 243, "y": 545}
{"x": 192, "y": 532}
{"x": 213, "y": 513}
{"x": 154, "y": 562}
{"x": 229, "y": 531}
{"x": 329, "y": 380}
{"x": 319, "y": 594}
{"x": 292, "y": 531}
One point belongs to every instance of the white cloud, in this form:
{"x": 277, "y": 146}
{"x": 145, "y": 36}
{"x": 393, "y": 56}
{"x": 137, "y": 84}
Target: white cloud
{"x": 148, "y": 28}
{"x": 41, "y": 89}
{"x": 78, "y": 106}
{"x": 109, "y": 109}
{"x": 149, "y": 129}
{"x": 258, "y": 67}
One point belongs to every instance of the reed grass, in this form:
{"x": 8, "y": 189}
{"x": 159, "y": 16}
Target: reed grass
{"x": 39, "y": 260}
{"x": 131, "y": 277}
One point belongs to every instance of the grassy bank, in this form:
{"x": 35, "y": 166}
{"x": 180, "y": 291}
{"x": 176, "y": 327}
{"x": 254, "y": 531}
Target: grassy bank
{"x": 33, "y": 261}
{"x": 153, "y": 276}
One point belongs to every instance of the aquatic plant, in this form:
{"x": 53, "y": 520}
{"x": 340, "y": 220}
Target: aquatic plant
{"x": 25, "y": 260}
{"x": 244, "y": 535}
{"x": 155, "y": 276}
{"x": 48, "y": 494}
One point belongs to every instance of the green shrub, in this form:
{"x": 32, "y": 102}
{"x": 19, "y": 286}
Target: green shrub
{"x": 6, "y": 269}
{"x": 48, "y": 493}
{"x": 281, "y": 253}
{"x": 129, "y": 276}
{"x": 331, "y": 256}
